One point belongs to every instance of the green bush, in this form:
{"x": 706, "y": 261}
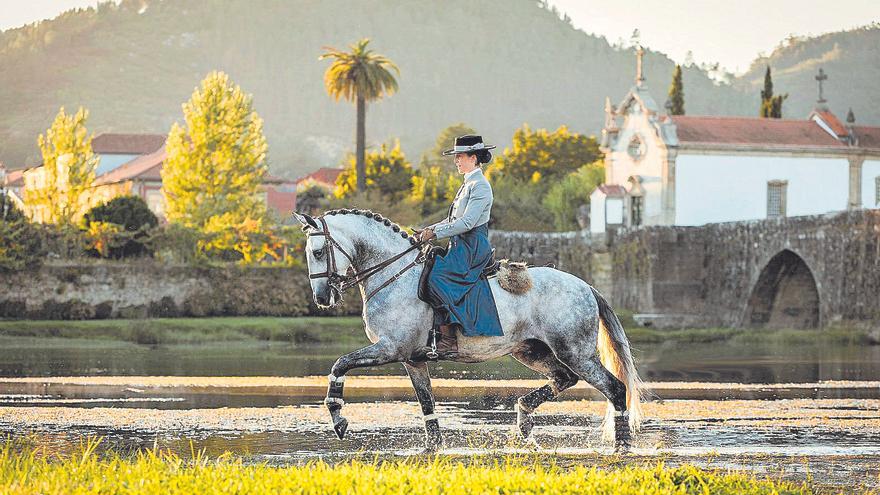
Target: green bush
{"x": 22, "y": 245}
{"x": 176, "y": 243}
{"x": 566, "y": 195}
{"x": 518, "y": 205}
{"x": 133, "y": 218}
{"x": 9, "y": 212}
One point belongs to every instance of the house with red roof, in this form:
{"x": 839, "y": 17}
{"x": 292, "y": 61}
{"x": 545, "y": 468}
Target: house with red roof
{"x": 11, "y": 183}
{"x": 131, "y": 164}
{"x": 324, "y": 177}
{"x": 663, "y": 169}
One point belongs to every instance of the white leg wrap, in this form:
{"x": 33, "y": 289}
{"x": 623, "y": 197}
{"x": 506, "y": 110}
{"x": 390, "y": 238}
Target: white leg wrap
{"x": 337, "y": 379}
{"x": 429, "y": 417}
{"x": 619, "y": 414}
{"x": 334, "y": 400}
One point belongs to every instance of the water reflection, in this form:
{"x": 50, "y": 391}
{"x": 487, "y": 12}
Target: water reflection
{"x": 672, "y": 361}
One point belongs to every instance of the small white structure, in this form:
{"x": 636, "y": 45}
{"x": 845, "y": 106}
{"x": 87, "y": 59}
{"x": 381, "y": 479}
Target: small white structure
{"x": 691, "y": 170}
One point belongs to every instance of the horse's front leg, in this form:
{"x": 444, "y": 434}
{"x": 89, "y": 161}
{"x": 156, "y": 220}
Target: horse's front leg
{"x": 374, "y": 355}
{"x": 421, "y": 380}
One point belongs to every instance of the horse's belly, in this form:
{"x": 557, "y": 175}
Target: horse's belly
{"x": 478, "y": 349}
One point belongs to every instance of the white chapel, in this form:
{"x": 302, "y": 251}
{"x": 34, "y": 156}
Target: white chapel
{"x": 665, "y": 169}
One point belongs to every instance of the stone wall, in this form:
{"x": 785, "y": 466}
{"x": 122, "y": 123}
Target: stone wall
{"x": 670, "y": 276}
{"x": 686, "y": 276}
{"x": 149, "y": 289}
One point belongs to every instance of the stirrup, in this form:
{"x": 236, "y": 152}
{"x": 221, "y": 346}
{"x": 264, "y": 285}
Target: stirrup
{"x": 432, "y": 354}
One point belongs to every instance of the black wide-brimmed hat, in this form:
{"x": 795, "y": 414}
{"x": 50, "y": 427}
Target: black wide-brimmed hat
{"x": 468, "y": 143}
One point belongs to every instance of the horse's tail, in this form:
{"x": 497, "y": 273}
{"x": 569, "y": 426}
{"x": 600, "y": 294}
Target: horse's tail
{"x": 614, "y": 352}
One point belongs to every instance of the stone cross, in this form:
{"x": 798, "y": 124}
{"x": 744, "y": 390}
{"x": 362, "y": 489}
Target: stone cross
{"x": 640, "y": 53}
{"x": 821, "y": 77}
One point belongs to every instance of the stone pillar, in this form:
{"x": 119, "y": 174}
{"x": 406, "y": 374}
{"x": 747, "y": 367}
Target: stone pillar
{"x": 668, "y": 187}
{"x": 855, "y": 182}
{"x": 602, "y": 272}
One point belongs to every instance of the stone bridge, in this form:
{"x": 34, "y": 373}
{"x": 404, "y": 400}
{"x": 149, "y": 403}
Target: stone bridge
{"x": 797, "y": 272}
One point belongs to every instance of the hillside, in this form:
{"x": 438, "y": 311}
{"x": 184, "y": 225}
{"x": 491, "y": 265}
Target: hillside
{"x": 516, "y": 63}
{"x": 851, "y": 59}
{"x": 493, "y": 64}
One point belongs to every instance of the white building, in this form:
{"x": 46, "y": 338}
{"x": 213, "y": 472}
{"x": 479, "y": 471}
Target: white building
{"x": 693, "y": 170}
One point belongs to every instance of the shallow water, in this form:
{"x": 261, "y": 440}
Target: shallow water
{"x": 833, "y": 453}
{"x": 714, "y": 362}
{"x": 829, "y": 436}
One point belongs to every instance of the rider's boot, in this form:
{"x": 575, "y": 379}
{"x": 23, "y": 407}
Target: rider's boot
{"x": 448, "y": 343}
{"x": 444, "y": 344}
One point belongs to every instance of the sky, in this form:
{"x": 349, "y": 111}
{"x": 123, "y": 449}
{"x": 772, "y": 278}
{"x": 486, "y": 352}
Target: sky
{"x": 732, "y": 33}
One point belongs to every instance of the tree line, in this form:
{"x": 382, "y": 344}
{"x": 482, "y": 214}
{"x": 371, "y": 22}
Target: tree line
{"x": 217, "y": 162}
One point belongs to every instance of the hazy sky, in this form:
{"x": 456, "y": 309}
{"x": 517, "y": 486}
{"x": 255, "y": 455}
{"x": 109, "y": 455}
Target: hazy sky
{"x": 725, "y": 31}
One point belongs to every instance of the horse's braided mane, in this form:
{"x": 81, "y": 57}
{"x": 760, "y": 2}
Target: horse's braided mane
{"x": 375, "y": 216}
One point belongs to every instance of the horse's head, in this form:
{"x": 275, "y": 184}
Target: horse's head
{"x": 329, "y": 253}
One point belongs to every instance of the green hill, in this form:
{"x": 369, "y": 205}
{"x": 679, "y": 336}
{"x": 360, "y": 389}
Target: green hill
{"x": 850, "y": 58}
{"x": 493, "y": 64}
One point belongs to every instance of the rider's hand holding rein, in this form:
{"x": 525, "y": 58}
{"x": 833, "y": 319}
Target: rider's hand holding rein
{"x": 426, "y": 234}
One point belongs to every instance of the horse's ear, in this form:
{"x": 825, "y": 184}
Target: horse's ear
{"x": 306, "y": 220}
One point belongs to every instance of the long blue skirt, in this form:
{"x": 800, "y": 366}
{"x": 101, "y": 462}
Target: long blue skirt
{"x": 457, "y": 282}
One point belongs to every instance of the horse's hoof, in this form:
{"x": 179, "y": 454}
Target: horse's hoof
{"x": 340, "y": 427}
{"x": 524, "y": 422}
{"x": 622, "y": 442}
{"x": 525, "y": 427}
{"x": 622, "y": 438}
{"x": 431, "y": 447}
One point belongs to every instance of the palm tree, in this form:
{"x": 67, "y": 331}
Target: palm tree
{"x": 359, "y": 76}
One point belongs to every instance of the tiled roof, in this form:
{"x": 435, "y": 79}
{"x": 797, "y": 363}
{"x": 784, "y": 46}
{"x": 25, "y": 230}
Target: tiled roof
{"x": 274, "y": 179}
{"x": 134, "y": 144}
{"x": 281, "y": 201}
{"x": 324, "y": 175}
{"x": 145, "y": 167}
{"x": 868, "y": 137}
{"x": 831, "y": 121}
{"x": 752, "y": 130}
{"x": 149, "y": 167}
{"x": 15, "y": 178}
{"x": 612, "y": 190}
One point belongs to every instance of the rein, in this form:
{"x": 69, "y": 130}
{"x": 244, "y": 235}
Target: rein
{"x": 352, "y": 277}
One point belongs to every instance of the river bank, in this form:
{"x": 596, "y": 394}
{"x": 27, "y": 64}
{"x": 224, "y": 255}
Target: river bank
{"x": 349, "y": 329}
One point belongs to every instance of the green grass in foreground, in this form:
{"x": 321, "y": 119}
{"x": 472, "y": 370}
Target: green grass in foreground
{"x": 348, "y": 330}
{"x": 29, "y": 471}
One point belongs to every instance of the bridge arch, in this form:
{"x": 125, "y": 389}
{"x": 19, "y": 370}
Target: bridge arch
{"x": 785, "y": 295}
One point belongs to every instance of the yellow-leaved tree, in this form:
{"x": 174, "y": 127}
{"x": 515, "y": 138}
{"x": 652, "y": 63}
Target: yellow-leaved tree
{"x": 61, "y": 193}
{"x": 212, "y": 178}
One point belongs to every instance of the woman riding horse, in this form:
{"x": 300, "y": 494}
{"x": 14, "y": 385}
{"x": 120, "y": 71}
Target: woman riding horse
{"x": 459, "y": 292}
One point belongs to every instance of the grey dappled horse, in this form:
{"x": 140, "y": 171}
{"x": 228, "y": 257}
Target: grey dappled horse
{"x": 554, "y": 328}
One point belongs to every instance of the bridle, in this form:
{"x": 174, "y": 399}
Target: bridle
{"x": 340, "y": 283}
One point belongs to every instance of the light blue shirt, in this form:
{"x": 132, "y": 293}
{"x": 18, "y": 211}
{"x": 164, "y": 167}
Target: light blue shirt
{"x": 471, "y": 207}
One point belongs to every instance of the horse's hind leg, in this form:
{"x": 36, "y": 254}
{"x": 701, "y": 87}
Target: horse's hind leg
{"x": 374, "y": 355}
{"x": 593, "y": 372}
{"x": 421, "y": 381}
{"x": 537, "y": 356}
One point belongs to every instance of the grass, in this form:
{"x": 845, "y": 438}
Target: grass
{"x": 26, "y": 471}
{"x": 346, "y": 330}
{"x": 300, "y": 330}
